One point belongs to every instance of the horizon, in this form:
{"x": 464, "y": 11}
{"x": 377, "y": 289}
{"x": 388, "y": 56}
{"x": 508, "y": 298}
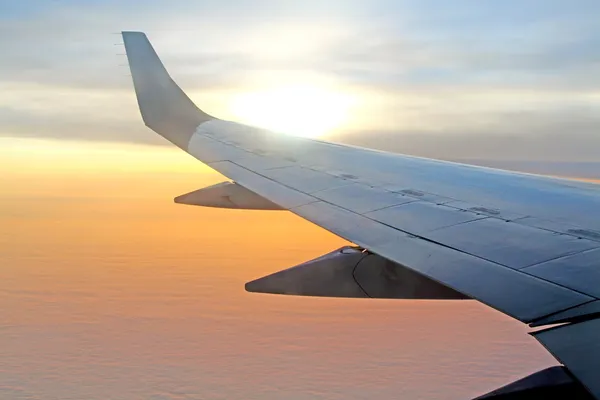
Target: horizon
{"x": 111, "y": 290}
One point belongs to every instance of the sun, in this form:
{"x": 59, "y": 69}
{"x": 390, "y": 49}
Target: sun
{"x": 306, "y": 111}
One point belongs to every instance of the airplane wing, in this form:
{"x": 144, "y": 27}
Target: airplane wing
{"x": 526, "y": 245}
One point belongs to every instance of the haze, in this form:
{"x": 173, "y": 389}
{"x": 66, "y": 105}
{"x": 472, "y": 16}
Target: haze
{"x": 109, "y": 290}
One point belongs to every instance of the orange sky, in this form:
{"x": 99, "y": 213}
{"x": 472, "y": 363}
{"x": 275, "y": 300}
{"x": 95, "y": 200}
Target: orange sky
{"x": 110, "y": 290}
{"x": 120, "y": 199}
{"x": 100, "y": 268}
{"x": 586, "y": 180}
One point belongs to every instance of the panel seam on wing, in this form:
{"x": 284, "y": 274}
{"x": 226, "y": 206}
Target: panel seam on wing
{"x": 412, "y": 234}
{"x": 566, "y": 310}
{"x": 559, "y": 257}
{"x": 381, "y": 186}
{"x": 455, "y": 249}
{"x": 488, "y": 260}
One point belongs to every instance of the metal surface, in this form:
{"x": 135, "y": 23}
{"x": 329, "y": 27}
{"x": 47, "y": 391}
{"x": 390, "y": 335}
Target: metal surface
{"x": 507, "y": 243}
{"x": 579, "y": 271}
{"x": 210, "y": 150}
{"x": 410, "y": 190}
{"x": 348, "y": 225}
{"x": 420, "y": 217}
{"x": 503, "y": 214}
{"x": 521, "y": 296}
{"x": 550, "y": 383}
{"x": 578, "y": 348}
{"x": 384, "y": 279}
{"x": 227, "y": 195}
{"x": 330, "y": 275}
{"x": 453, "y": 255}
{"x": 360, "y": 198}
{"x": 165, "y": 108}
{"x": 512, "y": 194}
{"x": 277, "y": 193}
{"x": 304, "y": 179}
{"x": 350, "y": 272}
{"x": 567, "y": 229}
{"x": 259, "y": 163}
{"x": 584, "y": 311}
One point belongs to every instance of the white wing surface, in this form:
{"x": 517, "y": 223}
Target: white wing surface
{"x": 526, "y": 245}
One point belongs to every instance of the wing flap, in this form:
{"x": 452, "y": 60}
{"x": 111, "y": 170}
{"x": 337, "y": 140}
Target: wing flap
{"x": 577, "y": 347}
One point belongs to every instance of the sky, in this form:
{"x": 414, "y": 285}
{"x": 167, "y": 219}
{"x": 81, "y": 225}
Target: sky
{"x": 109, "y": 290}
{"x": 456, "y": 80}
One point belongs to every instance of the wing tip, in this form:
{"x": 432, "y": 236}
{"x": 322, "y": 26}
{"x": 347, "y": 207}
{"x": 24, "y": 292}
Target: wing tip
{"x": 165, "y": 108}
{"x": 127, "y": 33}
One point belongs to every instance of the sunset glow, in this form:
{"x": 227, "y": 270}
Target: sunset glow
{"x": 307, "y": 111}
{"x": 106, "y": 280}
{"x": 109, "y": 289}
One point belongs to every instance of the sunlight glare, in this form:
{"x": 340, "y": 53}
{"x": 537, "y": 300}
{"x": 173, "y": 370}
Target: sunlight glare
{"x": 306, "y": 111}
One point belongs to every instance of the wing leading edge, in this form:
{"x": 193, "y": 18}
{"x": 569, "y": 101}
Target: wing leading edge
{"x": 525, "y": 245}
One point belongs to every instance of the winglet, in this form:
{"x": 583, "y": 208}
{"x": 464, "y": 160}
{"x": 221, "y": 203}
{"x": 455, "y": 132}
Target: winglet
{"x": 165, "y": 108}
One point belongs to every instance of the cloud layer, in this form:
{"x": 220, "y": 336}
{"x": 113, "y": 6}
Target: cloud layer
{"x": 519, "y": 79}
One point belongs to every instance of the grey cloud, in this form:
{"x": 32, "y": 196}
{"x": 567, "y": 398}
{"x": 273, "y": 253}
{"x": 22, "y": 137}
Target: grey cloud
{"x": 73, "y": 48}
{"x": 534, "y": 136}
{"x": 26, "y": 124}
{"x": 388, "y": 62}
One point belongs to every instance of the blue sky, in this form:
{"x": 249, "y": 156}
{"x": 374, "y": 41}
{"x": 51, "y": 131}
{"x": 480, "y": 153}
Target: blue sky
{"x": 480, "y": 72}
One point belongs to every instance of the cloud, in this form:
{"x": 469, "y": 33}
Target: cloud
{"x": 465, "y": 69}
{"x": 551, "y": 144}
